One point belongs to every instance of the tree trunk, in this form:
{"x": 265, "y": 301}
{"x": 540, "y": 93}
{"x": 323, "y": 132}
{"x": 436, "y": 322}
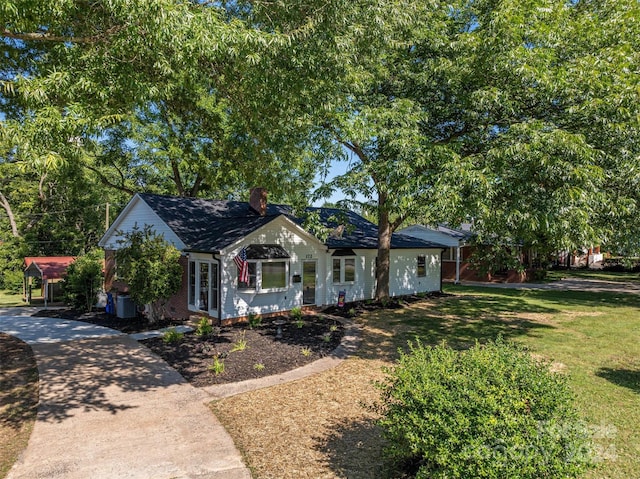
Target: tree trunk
{"x": 12, "y": 219}
{"x": 384, "y": 247}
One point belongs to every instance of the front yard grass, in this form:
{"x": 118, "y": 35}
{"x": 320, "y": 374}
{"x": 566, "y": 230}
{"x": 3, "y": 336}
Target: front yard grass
{"x": 8, "y": 300}
{"x": 321, "y": 427}
{"x": 616, "y": 277}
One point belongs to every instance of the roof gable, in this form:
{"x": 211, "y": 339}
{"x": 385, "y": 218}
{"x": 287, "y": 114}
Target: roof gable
{"x": 212, "y": 225}
{"x": 48, "y": 267}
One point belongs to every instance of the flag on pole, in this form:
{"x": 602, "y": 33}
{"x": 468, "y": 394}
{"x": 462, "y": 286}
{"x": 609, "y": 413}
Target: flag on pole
{"x": 243, "y": 266}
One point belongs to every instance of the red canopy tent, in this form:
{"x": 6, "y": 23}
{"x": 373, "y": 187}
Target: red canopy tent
{"x": 50, "y": 269}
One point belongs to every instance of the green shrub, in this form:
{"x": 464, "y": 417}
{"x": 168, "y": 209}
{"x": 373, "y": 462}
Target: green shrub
{"x": 172, "y": 335}
{"x": 12, "y": 280}
{"x": 489, "y": 412}
{"x": 217, "y": 366}
{"x": 296, "y": 313}
{"x": 539, "y": 275}
{"x": 254, "y": 320}
{"x": 204, "y": 327}
{"x": 240, "y": 344}
{"x": 83, "y": 280}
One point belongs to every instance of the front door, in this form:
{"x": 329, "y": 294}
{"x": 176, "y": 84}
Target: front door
{"x": 308, "y": 282}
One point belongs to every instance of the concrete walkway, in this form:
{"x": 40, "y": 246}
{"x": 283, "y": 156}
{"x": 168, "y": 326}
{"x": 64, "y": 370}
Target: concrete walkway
{"x": 110, "y": 408}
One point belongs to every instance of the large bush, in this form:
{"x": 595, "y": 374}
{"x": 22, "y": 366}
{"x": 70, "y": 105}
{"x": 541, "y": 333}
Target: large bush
{"x": 149, "y": 265}
{"x": 488, "y": 412}
{"x": 83, "y": 280}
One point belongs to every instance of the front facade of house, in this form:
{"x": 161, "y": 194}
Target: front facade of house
{"x": 288, "y": 266}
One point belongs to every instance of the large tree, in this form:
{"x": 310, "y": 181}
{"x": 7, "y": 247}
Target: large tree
{"x": 177, "y": 97}
{"x": 521, "y": 114}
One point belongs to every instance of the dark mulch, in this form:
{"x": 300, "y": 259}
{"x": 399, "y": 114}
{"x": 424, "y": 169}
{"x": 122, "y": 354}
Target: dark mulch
{"x": 264, "y": 355}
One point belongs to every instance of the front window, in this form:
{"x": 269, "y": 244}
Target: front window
{"x": 344, "y": 270}
{"x": 213, "y": 294}
{"x": 337, "y": 268}
{"x": 268, "y": 267}
{"x": 349, "y": 270}
{"x": 252, "y": 277}
{"x": 422, "y": 266}
{"x": 274, "y": 275}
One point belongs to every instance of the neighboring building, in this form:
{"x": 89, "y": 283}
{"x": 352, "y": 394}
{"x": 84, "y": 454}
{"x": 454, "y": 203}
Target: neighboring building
{"x": 50, "y": 271}
{"x": 455, "y": 266}
{"x": 587, "y": 258}
{"x": 287, "y": 265}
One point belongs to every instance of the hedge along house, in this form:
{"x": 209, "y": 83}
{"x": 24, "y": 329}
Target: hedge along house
{"x": 287, "y": 266}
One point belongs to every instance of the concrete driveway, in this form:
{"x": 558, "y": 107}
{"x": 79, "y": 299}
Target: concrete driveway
{"x": 109, "y": 408}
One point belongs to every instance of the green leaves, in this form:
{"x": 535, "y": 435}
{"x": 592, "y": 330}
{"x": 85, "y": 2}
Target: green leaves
{"x": 150, "y": 268}
{"x": 488, "y": 412}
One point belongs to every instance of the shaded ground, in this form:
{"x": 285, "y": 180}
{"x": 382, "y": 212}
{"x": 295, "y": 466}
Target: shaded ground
{"x": 246, "y": 353}
{"x": 18, "y": 398}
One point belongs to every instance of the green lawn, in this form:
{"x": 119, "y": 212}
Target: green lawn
{"x": 10, "y": 299}
{"x": 556, "y": 275}
{"x": 592, "y": 337}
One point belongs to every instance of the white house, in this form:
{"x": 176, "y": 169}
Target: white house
{"x": 287, "y": 265}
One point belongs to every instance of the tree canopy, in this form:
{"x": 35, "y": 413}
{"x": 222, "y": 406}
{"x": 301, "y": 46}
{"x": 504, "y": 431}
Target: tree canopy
{"x": 520, "y": 114}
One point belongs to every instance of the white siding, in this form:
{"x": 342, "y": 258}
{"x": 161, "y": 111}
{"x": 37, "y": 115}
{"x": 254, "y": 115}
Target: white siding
{"x": 364, "y": 285}
{"x": 139, "y": 213}
{"x": 403, "y": 271}
{"x": 300, "y": 247}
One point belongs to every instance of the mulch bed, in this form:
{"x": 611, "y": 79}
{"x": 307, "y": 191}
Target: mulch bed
{"x": 265, "y": 354}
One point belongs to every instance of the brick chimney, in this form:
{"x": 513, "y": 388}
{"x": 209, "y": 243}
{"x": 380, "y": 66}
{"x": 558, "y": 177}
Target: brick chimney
{"x": 258, "y": 200}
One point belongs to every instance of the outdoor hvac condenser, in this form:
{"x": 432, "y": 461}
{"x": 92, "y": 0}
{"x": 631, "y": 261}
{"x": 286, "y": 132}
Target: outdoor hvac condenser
{"x": 125, "y": 307}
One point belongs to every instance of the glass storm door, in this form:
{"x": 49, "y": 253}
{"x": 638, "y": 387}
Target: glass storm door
{"x": 308, "y": 282}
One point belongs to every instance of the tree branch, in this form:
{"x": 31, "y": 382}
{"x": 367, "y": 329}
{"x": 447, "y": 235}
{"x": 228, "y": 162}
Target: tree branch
{"x": 105, "y": 181}
{"x": 47, "y": 37}
{"x": 12, "y": 220}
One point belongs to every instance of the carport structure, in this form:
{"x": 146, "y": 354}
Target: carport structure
{"x": 50, "y": 270}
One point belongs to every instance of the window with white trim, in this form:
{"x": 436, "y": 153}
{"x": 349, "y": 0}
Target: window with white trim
{"x": 422, "y": 266}
{"x": 252, "y": 265}
{"x": 344, "y": 270}
{"x": 266, "y": 275}
{"x": 268, "y": 268}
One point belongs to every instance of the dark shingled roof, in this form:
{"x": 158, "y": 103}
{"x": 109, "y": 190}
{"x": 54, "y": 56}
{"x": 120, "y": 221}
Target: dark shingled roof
{"x": 211, "y": 225}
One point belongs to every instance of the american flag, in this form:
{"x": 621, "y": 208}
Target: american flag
{"x": 243, "y": 266}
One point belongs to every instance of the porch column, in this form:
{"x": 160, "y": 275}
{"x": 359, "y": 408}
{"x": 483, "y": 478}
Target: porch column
{"x": 457, "y": 264}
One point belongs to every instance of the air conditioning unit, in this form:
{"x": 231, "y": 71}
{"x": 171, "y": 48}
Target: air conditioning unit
{"x": 125, "y": 307}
